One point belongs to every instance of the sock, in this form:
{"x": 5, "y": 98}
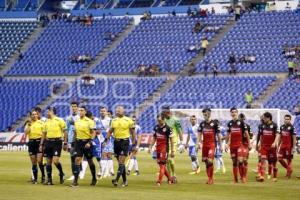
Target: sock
{"x": 162, "y": 168}
{"x": 283, "y": 163}
{"x": 59, "y": 167}
{"x": 245, "y": 169}
{"x": 218, "y": 162}
{"x": 136, "y": 165}
{"x": 131, "y": 163}
{"x": 103, "y": 164}
{"x": 49, "y": 171}
{"x": 72, "y": 163}
{"x": 241, "y": 170}
{"x": 172, "y": 167}
{"x": 111, "y": 165}
{"x": 76, "y": 171}
{"x": 120, "y": 171}
{"x": 124, "y": 175}
{"x": 93, "y": 170}
{"x": 99, "y": 163}
{"x": 259, "y": 167}
{"x": 210, "y": 170}
{"x": 270, "y": 169}
{"x": 35, "y": 172}
{"x": 42, "y": 169}
{"x": 84, "y": 166}
{"x": 262, "y": 168}
{"x": 167, "y": 174}
{"x": 235, "y": 170}
{"x": 275, "y": 171}
{"x": 289, "y": 164}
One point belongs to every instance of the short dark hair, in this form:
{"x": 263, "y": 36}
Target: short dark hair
{"x": 89, "y": 114}
{"x": 288, "y": 115}
{"x": 37, "y": 109}
{"x": 166, "y": 108}
{"x": 206, "y": 110}
{"x": 103, "y": 107}
{"x": 83, "y": 107}
{"x": 53, "y": 109}
{"x": 233, "y": 108}
{"x": 110, "y": 111}
{"x": 193, "y": 115}
{"x": 268, "y": 115}
{"x": 242, "y": 116}
{"x": 74, "y": 103}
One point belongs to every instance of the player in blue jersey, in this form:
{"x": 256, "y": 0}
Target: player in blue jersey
{"x": 132, "y": 162}
{"x": 191, "y": 144}
{"x": 219, "y": 154}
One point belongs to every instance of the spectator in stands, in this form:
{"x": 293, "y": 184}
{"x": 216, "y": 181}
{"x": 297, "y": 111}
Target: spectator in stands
{"x": 289, "y": 52}
{"x": 174, "y": 13}
{"x": 203, "y": 13}
{"x": 297, "y": 110}
{"x": 141, "y": 70}
{"x": 237, "y": 11}
{"x": 81, "y": 58}
{"x": 232, "y": 64}
{"x": 109, "y": 36}
{"x": 193, "y": 48}
{"x": 247, "y": 59}
{"x": 248, "y": 99}
{"x": 194, "y": 13}
{"x": 205, "y": 67}
{"x": 146, "y": 16}
{"x": 197, "y": 28}
{"x": 215, "y": 70}
{"x": 213, "y": 10}
{"x": 288, "y": 7}
{"x": 189, "y": 11}
{"x": 192, "y": 69}
{"x": 204, "y": 45}
{"x": 212, "y": 29}
{"x": 291, "y": 67}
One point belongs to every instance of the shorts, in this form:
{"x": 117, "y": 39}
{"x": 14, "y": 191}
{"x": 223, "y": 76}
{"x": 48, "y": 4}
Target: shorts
{"x": 285, "y": 153}
{"x": 33, "y": 147}
{"x": 161, "y": 157}
{"x": 53, "y": 147}
{"x": 121, "y": 147}
{"x": 268, "y": 153}
{"x": 237, "y": 152}
{"x": 108, "y": 148}
{"x": 208, "y": 153}
{"x": 80, "y": 150}
{"x": 193, "y": 151}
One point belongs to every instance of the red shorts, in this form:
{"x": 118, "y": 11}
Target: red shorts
{"x": 285, "y": 152}
{"x": 268, "y": 153}
{"x": 161, "y": 156}
{"x": 208, "y": 153}
{"x": 245, "y": 151}
{"x": 237, "y": 152}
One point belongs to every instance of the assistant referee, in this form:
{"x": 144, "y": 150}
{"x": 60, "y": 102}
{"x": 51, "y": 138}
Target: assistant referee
{"x": 122, "y": 127}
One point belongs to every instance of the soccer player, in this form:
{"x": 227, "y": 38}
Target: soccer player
{"x": 176, "y": 127}
{"x": 208, "y": 131}
{"x": 132, "y": 154}
{"x": 246, "y": 144}
{"x": 164, "y": 139}
{"x": 219, "y": 153}
{"x": 103, "y": 126}
{"x": 237, "y": 133}
{"x": 34, "y": 131}
{"x": 191, "y": 144}
{"x": 122, "y": 127}
{"x": 287, "y": 142}
{"x": 70, "y": 120}
{"x": 84, "y": 133}
{"x": 266, "y": 144}
{"x": 53, "y": 131}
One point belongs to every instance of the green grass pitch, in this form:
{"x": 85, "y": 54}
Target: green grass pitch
{"x": 15, "y": 172}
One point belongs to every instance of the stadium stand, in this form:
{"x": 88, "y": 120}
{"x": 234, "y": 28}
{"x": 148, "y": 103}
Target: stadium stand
{"x": 262, "y": 35}
{"x": 157, "y": 41}
{"x": 51, "y": 53}
{"x": 195, "y": 92}
{"x": 13, "y": 34}
{"x": 18, "y": 97}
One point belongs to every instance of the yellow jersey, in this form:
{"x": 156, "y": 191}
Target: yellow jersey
{"x": 35, "y": 130}
{"x": 121, "y": 127}
{"x": 83, "y": 128}
{"x": 54, "y": 127}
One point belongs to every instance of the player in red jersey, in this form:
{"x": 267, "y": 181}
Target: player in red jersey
{"x": 266, "y": 144}
{"x": 246, "y": 145}
{"x": 163, "y": 136}
{"x": 237, "y": 133}
{"x": 209, "y": 130}
{"x": 287, "y": 142}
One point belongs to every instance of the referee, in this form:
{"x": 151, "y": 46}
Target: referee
{"x": 51, "y": 141}
{"x": 122, "y": 127}
{"x": 84, "y": 133}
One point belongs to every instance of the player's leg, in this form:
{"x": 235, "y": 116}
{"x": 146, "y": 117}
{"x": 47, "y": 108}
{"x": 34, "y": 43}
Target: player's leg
{"x": 99, "y": 164}
{"x": 235, "y": 167}
{"x": 280, "y": 157}
{"x": 241, "y": 158}
{"x": 76, "y": 170}
{"x": 56, "y": 157}
{"x": 84, "y": 165}
{"x": 130, "y": 160}
{"x": 88, "y": 154}
{"x": 289, "y": 158}
{"x": 48, "y": 153}
{"x": 121, "y": 150}
{"x": 41, "y": 166}
{"x": 103, "y": 164}
{"x": 273, "y": 160}
{"x": 34, "y": 169}
{"x": 194, "y": 159}
{"x": 110, "y": 164}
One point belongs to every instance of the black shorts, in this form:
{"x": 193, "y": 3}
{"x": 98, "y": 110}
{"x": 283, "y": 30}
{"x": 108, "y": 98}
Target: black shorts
{"x": 121, "y": 147}
{"x": 80, "y": 150}
{"x": 52, "y": 148}
{"x": 33, "y": 147}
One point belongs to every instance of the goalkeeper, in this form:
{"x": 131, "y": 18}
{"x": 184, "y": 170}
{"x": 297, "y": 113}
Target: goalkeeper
{"x": 175, "y": 125}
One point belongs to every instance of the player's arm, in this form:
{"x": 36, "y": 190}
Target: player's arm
{"x": 133, "y": 135}
{"x": 187, "y": 139}
{"x": 219, "y": 136}
{"x": 172, "y": 138}
{"x": 275, "y": 143}
{"x": 294, "y": 139}
{"x": 153, "y": 140}
{"x": 199, "y": 139}
{"x": 65, "y": 133}
{"x": 179, "y": 130}
{"x": 258, "y": 139}
{"x": 27, "y": 129}
{"x": 109, "y": 133}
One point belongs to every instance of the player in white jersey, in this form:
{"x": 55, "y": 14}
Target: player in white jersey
{"x": 191, "y": 144}
{"x": 132, "y": 162}
{"x": 219, "y": 154}
{"x": 106, "y": 162}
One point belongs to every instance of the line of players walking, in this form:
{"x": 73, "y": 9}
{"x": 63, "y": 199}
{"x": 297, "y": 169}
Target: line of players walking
{"x": 85, "y": 136}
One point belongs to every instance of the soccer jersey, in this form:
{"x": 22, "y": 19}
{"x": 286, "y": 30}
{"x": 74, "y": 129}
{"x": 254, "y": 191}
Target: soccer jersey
{"x": 287, "y": 132}
{"x": 268, "y": 134}
{"x": 121, "y": 127}
{"x": 35, "y": 130}
{"x": 83, "y": 127}
{"x": 236, "y": 129}
{"x": 162, "y": 136}
{"x": 54, "y": 127}
{"x": 209, "y": 131}
{"x": 192, "y": 131}
{"x": 175, "y": 126}
{"x": 70, "y": 121}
